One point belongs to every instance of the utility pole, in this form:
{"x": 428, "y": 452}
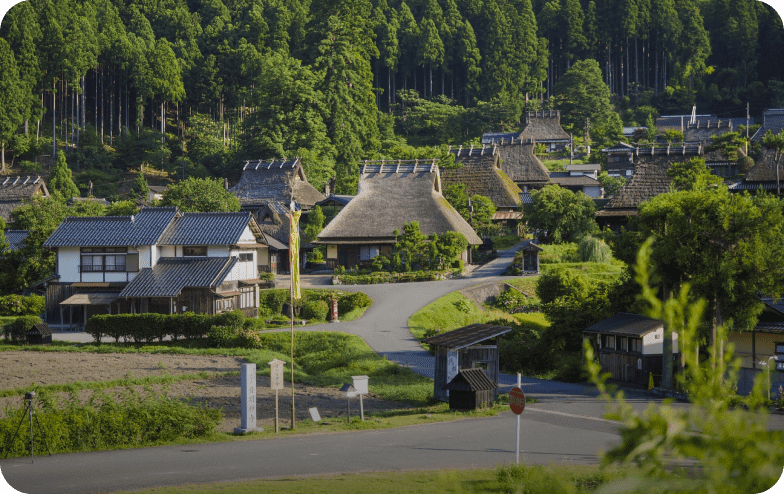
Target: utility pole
{"x": 747, "y": 128}
{"x": 571, "y": 148}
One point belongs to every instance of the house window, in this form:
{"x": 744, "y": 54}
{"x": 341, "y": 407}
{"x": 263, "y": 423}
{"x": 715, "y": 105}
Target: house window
{"x": 98, "y": 259}
{"x": 779, "y": 356}
{"x": 246, "y": 257}
{"x": 635, "y": 345}
{"x": 194, "y": 250}
{"x": 609, "y": 341}
{"x": 622, "y": 344}
{"x": 247, "y": 298}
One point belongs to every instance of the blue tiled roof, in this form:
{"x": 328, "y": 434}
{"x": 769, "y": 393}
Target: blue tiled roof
{"x": 206, "y": 229}
{"x": 172, "y": 274}
{"x": 145, "y": 228}
{"x": 15, "y": 238}
{"x": 490, "y": 137}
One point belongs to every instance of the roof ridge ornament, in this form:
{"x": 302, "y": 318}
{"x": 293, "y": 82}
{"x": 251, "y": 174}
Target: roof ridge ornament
{"x": 459, "y": 150}
{"x": 15, "y": 181}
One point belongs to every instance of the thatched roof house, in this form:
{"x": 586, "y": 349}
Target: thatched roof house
{"x": 649, "y": 180}
{"x": 545, "y": 127}
{"x": 389, "y": 195}
{"x": 520, "y": 164}
{"x": 482, "y": 174}
{"x": 275, "y": 180}
{"x": 772, "y": 120}
{"x": 15, "y": 190}
{"x": 763, "y": 174}
{"x": 702, "y": 131}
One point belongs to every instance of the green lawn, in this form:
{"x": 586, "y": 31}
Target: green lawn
{"x": 593, "y": 270}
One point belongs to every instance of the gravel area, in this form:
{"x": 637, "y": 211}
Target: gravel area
{"x": 24, "y": 368}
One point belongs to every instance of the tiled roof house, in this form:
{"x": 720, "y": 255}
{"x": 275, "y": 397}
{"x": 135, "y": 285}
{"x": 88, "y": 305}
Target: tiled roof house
{"x": 16, "y": 238}
{"x": 763, "y": 174}
{"x": 482, "y": 174}
{"x": 772, "y": 120}
{"x": 15, "y": 190}
{"x": 159, "y": 260}
{"x": 389, "y": 195}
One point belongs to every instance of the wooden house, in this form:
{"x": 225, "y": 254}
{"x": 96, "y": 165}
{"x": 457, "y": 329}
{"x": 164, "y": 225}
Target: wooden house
{"x": 767, "y": 174}
{"x": 159, "y": 260}
{"x": 471, "y": 389}
{"x": 481, "y": 173}
{"x": 16, "y": 190}
{"x": 761, "y": 347}
{"x": 544, "y": 127}
{"x": 584, "y": 170}
{"x": 773, "y": 121}
{"x": 281, "y": 180}
{"x": 391, "y": 194}
{"x": 577, "y": 183}
{"x": 469, "y": 347}
{"x": 630, "y": 347}
{"x": 620, "y": 160}
{"x": 41, "y": 334}
{"x": 520, "y": 164}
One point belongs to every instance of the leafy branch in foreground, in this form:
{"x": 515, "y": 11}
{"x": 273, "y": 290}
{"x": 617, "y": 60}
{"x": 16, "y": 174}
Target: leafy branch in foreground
{"x": 732, "y": 446}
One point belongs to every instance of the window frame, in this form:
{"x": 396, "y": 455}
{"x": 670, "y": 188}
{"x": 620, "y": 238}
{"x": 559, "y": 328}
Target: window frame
{"x": 101, "y": 254}
{"x": 194, "y": 248}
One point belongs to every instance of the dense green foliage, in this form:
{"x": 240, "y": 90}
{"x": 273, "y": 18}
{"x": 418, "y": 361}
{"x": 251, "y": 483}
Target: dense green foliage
{"x": 559, "y": 215}
{"x": 21, "y": 305}
{"x": 133, "y": 421}
{"x": 150, "y": 327}
{"x": 271, "y": 302}
{"x": 593, "y": 249}
{"x": 200, "y": 194}
{"x": 15, "y": 331}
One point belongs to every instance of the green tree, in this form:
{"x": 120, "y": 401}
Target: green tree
{"x": 200, "y": 195}
{"x": 411, "y": 244}
{"x": 315, "y": 223}
{"x": 431, "y": 48}
{"x": 140, "y": 190}
{"x": 776, "y": 143}
{"x": 581, "y": 94}
{"x": 122, "y": 208}
{"x": 61, "y": 179}
{"x": 692, "y": 175}
{"x": 12, "y": 98}
{"x": 611, "y": 185}
{"x": 560, "y": 215}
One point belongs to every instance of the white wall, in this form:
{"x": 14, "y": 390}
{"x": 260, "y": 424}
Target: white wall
{"x": 247, "y": 236}
{"x": 218, "y": 251}
{"x": 653, "y": 343}
{"x": 244, "y": 270}
{"x": 168, "y": 251}
{"x": 68, "y": 260}
{"x": 592, "y": 191}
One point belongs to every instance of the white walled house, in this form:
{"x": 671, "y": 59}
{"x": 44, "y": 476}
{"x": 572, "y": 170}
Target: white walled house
{"x": 159, "y": 260}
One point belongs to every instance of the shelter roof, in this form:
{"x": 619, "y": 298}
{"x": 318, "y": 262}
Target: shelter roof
{"x": 529, "y": 245}
{"x": 91, "y": 299}
{"x": 172, "y": 274}
{"x": 41, "y": 329}
{"x": 275, "y": 180}
{"x": 470, "y": 380}
{"x": 588, "y": 167}
{"x": 627, "y": 324}
{"x": 391, "y": 194}
{"x": 772, "y": 120}
{"x": 619, "y": 147}
{"x": 482, "y": 175}
{"x": 467, "y": 335}
{"x": 499, "y": 137}
{"x": 544, "y": 126}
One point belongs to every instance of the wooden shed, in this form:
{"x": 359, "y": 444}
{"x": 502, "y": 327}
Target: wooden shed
{"x": 463, "y": 348}
{"x": 41, "y": 334}
{"x": 471, "y": 389}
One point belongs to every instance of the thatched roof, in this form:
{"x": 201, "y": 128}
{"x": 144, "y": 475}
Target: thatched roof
{"x": 702, "y": 131}
{"x": 275, "y": 180}
{"x": 649, "y": 180}
{"x": 765, "y": 168}
{"x": 772, "y": 120}
{"x": 544, "y": 126}
{"x": 389, "y": 195}
{"x": 481, "y": 174}
{"x": 14, "y": 190}
{"x": 520, "y": 163}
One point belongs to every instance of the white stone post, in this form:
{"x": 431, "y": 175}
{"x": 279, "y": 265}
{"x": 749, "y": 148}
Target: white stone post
{"x": 248, "y": 400}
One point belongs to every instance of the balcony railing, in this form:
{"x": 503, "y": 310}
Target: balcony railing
{"x": 90, "y": 268}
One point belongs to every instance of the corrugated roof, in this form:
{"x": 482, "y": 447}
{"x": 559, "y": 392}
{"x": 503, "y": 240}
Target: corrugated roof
{"x": 391, "y": 195}
{"x": 624, "y": 323}
{"x": 172, "y": 274}
{"x": 206, "y": 229}
{"x": 470, "y": 380}
{"x": 16, "y": 238}
{"x": 145, "y": 228}
{"x": 481, "y": 175}
{"x": 467, "y": 335}
{"x": 544, "y": 126}
{"x": 41, "y": 329}
{"x": 772, "y": 120}
{"x": 264, "y": 181}
{"x": 565, "y": 179}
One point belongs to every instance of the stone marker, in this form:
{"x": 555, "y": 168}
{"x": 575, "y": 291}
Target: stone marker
{"x": 314, "y": 414}
{"x": 248, "y": 400}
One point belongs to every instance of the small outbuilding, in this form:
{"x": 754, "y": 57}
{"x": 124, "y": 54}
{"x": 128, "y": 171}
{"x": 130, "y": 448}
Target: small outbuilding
{"x": 465, "y": 348}
{"x": 630, "y": 347}
{"x": 41, "y": 334}
{"x": 471, "y": 389}
{"x": 527, "y": 258}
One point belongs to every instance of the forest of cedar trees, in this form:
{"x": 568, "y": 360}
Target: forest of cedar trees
{"x": 195, "y": 87}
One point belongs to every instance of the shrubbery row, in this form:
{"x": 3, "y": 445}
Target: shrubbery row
{"x": 15, "y": 331}
{"x": 149, "y": 327}
{"x": 382, "y": 277}
{"x": 314, "y": 304}
{"x": 20, "y": 305}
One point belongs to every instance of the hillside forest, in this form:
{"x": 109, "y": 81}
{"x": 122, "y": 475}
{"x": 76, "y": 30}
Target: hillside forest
{"x": 192, "y": 88}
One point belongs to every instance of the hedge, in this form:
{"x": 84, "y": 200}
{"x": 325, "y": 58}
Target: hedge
{"x": 381, "y": 277}
{"x": 16, "y": 330}
{"x": 272, "y": 302}
{"x": 20, "y": 305}
{"x": 149, "y": 327}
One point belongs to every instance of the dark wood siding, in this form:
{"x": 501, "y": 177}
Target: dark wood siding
{"x": 439, "y": 377}
{"x": 56, "y": 293}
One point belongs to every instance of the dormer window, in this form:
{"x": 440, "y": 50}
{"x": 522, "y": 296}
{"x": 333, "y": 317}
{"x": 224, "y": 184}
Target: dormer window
{"x": 194, "y": 251}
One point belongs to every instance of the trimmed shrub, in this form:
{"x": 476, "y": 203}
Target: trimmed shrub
{"x": 19, "y": 305}
{"x": 16, "y": 330}
{"x": 351, "y": 301}
{"x": 150, "y": 327}
{"x": 315, "y": 309}
{"x": 221, "y": 337}
{"x": 592, "y": 249}
{"x": 271, "y": 301}
{"x": 248, "y": 338}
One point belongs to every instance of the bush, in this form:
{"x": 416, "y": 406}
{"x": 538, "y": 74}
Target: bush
{"x": 271, "y": 301}
{"x": 315, "y": 310}
{"x": 221, "y": 337}
{"x": 105, "y": 423}
{"x": 248, "y": 338}
{"x": 570, "y": 369}
{"x": 30, "y": 166}
{"x": 15, "y": 331}
{"x": 151, "y": 326}
{"x": 592, "y": 249}
{"x": 351, "y": 301}
{"x": 19, "y": 305}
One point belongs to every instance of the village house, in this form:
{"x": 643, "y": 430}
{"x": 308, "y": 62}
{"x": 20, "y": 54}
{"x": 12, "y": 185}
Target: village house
{"x": 481, "y": 173}
{"x": 156, "y": 192}
{"x": 266, "y": 188}
{"x": 620, "y": 160}
{"x": 389, "y": 195}
{"x": 767, "y": 174}
{"x": 544, "y": 127}
{"x": 14, "y": 191}
{"x": 762, "y": 347}
{"x": 630, "y": 347}
{"x": 577, "y": 182}
{"x": 773, "y": 121}
{"x": 159, "y": 260}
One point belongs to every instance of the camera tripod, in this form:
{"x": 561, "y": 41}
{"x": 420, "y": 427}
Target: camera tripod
{"x": 30, "y": 412}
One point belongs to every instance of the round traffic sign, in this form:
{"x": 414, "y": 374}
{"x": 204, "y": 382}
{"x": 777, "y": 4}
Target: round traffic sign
{"x": 517, "y": 400}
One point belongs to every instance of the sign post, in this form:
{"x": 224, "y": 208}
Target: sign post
{"x": 276, "y": 383}
{"x": 517, "y": 404}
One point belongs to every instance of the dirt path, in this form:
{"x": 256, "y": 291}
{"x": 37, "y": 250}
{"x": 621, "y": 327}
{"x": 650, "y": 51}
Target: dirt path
{"x": 21, "y": 369}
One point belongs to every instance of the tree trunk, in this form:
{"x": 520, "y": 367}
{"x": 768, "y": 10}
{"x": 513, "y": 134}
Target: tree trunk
{"x": 54, "y": 120}
{"x": 103, "y": 90}
{"x": 2, "y": 156}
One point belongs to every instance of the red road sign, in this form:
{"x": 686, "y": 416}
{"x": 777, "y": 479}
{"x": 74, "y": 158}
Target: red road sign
{"x": 517, "y": 400}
